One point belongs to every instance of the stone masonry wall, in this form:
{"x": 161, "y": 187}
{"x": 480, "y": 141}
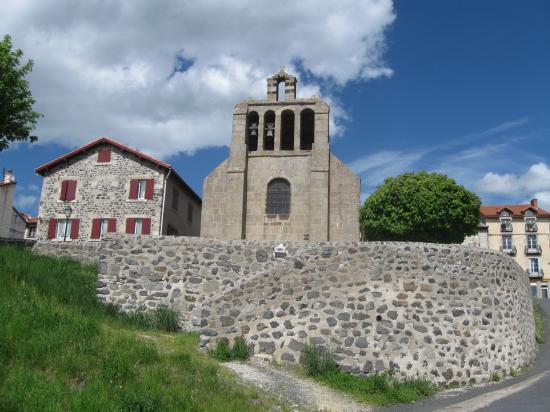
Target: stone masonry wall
{"x": 453, "y": 314}
{"x": 84, "y": 252}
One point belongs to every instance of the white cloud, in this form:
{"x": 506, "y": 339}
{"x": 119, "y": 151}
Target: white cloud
{"x": 25, "y": 202}
{"x": 378, "y": 166}
{"x": 535, "y": 182}
{"x": 107, "y": 68}
{"x": 544, "y": 199}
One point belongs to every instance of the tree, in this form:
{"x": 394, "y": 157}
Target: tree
{"x": 17, "y": 118}
{"x": 420, "y": 207}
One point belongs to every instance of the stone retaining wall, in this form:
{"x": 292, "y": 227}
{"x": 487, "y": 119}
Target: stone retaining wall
{"x": 84, "y": 252}
{"x": 454, "y": 314}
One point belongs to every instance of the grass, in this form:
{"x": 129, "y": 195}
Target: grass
{"x": 62, "y": 350}
{"x": 539, "y": 323}
{"x": 224, "y": 352}
{"x": 377, "y": 389}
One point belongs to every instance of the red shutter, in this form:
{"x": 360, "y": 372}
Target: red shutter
{"x": 130, "y": 225}
{"x": 104, "y": 156}
{"x": 111, "y": 226}
{"x": 71, "y": 190}
{"x": 63, "y": 194}
{"x": 96, "y": 228}
{"x": 145, "y": 226}
{"x": 52, "y": 228}
{"x": 149, "y": 189}
{"x": 133, "y": 189}
{"x": 75, "y": 227}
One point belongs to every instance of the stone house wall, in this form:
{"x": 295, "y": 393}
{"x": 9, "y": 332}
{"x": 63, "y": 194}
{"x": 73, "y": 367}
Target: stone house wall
{"x": 453, "y": 314}
{"x": 103, "y": 191}
{"x": 177, "y": 217}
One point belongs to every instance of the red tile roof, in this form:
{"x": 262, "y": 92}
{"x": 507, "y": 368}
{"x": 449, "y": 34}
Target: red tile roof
{"x": 29, "y": 219}
{"x": 517, "y": 210}
{"x": 107, "y": 141}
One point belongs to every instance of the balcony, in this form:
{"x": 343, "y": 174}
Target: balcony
{"x": 533, "y": 250}
{"x": 533, "y": 274}
{"x": 506, "y": 227}
{"x": 531, "y": 227}
{"x": 509, "y": 251}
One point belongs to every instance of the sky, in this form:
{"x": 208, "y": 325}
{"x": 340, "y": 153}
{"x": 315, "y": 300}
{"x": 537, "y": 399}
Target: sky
{"x": 456, "y": 87}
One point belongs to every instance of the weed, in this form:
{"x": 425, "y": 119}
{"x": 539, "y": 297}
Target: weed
{"x": 495, "y": 377}
{"x": 539, "y": 323}
{"x": 318, "y": 360}
{"x": 379, "y": 389}
{"x": 224, "y": 352}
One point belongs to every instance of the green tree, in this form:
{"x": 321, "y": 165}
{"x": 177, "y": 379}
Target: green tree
{"x": 17, "y": 118}
{"x": 420, "y": 207}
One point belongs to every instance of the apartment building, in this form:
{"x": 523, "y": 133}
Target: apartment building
{"x": 521, "y": 231}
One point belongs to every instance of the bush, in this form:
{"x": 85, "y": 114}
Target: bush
{"x": 318, "y": 360}
{"x": 420, "y": 207}
{"x": 224, "y": 352}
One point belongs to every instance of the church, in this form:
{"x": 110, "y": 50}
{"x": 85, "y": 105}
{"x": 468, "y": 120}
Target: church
{"x": 280, "y": 181}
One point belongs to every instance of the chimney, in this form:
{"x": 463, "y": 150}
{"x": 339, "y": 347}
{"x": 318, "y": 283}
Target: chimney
{"x": 535, "y": 203}
{"x": 9, "y": 177}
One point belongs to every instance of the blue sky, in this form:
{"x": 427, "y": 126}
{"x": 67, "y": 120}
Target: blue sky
{"x": 459, "y": 87}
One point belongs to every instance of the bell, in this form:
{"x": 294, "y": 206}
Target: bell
{"x": 253, "y": 132}
{"x": 269, "y": 133}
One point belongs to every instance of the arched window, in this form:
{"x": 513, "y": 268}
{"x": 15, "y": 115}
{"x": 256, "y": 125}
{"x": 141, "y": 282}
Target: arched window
{"x": 252, "y": 131}
{"x": 307, "y": 129}
{"x": 269, "y": 130}
{"x": 278, "y": 197}
{"x": 287, "y": 130}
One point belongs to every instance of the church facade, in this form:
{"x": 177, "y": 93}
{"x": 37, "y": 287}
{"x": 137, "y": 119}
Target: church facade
{"x": 280, "y": 181}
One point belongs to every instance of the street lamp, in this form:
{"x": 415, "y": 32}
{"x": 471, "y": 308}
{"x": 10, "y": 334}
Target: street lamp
{"x": 67, "y": 211}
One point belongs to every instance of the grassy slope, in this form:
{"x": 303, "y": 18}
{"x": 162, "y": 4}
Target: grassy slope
{"x": 60, "y": 349}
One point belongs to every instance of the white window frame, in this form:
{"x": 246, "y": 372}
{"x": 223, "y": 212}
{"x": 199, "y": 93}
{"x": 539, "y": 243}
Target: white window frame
{"x": 103, "y": 228}
{"x": 60, "y": 229}
{"x": 505, "y": 244}
{"x": 141, "y": 189}
{"x": 530, "y": 244}
{"x": 138, "y": 222}
{"x": 531, "y": 265}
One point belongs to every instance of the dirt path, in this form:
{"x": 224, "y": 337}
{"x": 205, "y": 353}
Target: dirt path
{"x": 302, "y": 394}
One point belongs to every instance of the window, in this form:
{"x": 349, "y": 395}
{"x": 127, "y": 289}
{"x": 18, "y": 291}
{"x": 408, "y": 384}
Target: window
{"x": 138, "y": 226}
{"x": 142, "y": 189}
{"x": 506, "y": 225}
{"x": 307, "y": 129}
{"x": 531, "y": 241}
{"x": 287, "y": 130}
{"x": 32, "y": 231}
{"x": 68, "y": 190}
{"x": 142, "y": 185}
{"x": 252, "y": 131}
{"x": 544, "y": 292}
{"x": 175, "y": 198}
{"x": 506, "y": 242}
{"x": 104, "y": 156}
{"x": 530, "y": 225}
{"x": 63, "y": 229}
{"x": 102, "y": 226}
{"x": 533, "y": 265}
{"x": 269, "y": 130}
{"x": 278, "y": 197}
{"x": 189, "y": 212}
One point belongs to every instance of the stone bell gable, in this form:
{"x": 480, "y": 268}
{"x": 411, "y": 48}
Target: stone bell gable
{"x": 280, "y": 181}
